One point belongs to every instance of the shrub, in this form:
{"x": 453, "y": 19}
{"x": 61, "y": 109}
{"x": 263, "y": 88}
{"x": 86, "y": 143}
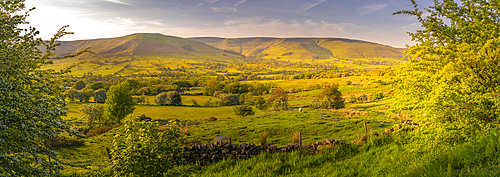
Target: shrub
{"x": 351, "y": 99}
{"x": 92, "y": 113}
{"x": 171, "y": 98}
{"x": 195, "y": 104}
{"x": 263, "y": 137}
{"x": 362, "y": 98}
{"x": 99, "y": 96}
{"x": 329, "y": 98}
{"x": 229, "y": 99}
{"x": 296, "y": 137}
{"x": 243, "y": 110}
{"x": 260, "y": 103}
{"x": 78, "y": 85}
{"x": 140, "y": 100}
{"x": 144, "y": 150}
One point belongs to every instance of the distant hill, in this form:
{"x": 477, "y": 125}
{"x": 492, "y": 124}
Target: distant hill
{"x": 303, "y": 48}
{"x": 146, "y": 53}
{"x": 127, "y": 54}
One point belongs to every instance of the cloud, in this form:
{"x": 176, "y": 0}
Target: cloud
{"x": 411, "y": 27}
{"x": 365, "y": 10}
{"x": 240, "y": 2}
{"x": 310, "y": 23}
{"x": 210, "y": 1}
{"x": 119, "y": 2}
{"x": 309, "y": 5}
{"x": 200, "y": 4}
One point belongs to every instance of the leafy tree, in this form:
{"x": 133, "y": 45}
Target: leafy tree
{"x": 92, "y": 113}
{"x": 145, "y": 150}
{"x": 71, "y": 94}
{"x": 95, "y": 86}
{"x": 243, "y": 110}
{"x": 229, "y": 99}
{"x": 260, "y": 103}
{"x": 171, "y": 98}
{"x": 120, "y": 102}
{"x": 79, "y": 85}
{"x": 30, "y": 111}
{"x": 100, "y": 96}
{"x": 278, "y": 100}
{"x": 140, "y": 100}
{"x": 329, "y": 98}
{"x": 452, "y": 78}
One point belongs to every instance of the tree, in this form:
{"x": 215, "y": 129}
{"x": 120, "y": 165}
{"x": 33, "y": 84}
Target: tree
{"x": 120, "y": 102}
{"x": 329, "y": 98}
{"x": 71, "y": 94}
{"x": 452, "y": 78}
{"x": 260, "y": 103}
{"x": 243, "y": 110}
{"x": 99, "y": 96}
{"x": 79, "y": 85}
{"x": 171, "y": 98}
{"x": 351, "y": 99}
{"x": 229, "y": 99}
{"x": 91, "y": 113}
{"x": 30, "y": 110}
{"x": 95, "y": 86}
{"x": 146, "y": 150}
{"x": 278, "y": 100}
{"x": 140, "y": 100}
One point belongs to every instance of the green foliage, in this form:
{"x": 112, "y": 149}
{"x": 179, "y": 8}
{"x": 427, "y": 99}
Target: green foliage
{"x": 140, "y": 99}
{"x": 64, "y": 141}
{"x": 351, "y": 99}
{"x": 278, "y": 100}
{"x": 95, "y": 86}
{"x": 72, "y": 94}
{"x": 260, "y": 103}
{"x": 92, "y": 113}
{"x": 171, "y": 98}
{"x": 78, "y": 85}
{"x": 120, "y": 102}
{"x": 243, "y": 110}
{"x": 329, "y": 98}
{"x": 377, "y": 96}
{"x": 99, "y": 96}
{"x": 30, "y": 110}
{"x": 229, "y": 99}
{"x": 452, "y": 77}
{"x": 144, "y": 150}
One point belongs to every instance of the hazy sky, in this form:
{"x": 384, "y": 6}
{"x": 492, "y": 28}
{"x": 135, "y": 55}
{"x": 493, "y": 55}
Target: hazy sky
{"x": 369, "y": 20}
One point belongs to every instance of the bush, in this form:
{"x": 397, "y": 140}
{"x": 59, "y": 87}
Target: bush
{"x": 144, "y": 150}
{"x": 329, "y": 98}
{"x": 229, "y": 99}
{"x": 92, "y": 113}
{"x": 140, "y": 100}
{"x": 352, "y": 99}
{"x": 100, "y": 96}
{"x": 260, "y": 103}
{"x": 243, "y": 110}
{"x": 171, "y": 98}
{"x": 362, "y": 98}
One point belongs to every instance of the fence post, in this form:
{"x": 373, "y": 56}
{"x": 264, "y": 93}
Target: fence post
{"x": 300, "y": 138}
{"x": 109, "y": 155}
{"x": 365, "y": 127}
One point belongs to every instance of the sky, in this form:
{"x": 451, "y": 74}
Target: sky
{"x": 369, "y": 20}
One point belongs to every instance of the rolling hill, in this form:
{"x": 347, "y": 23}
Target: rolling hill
{"x": 148, "y": 53}
{"x": 138, "y": 53}
{"x": 304, "y": 48}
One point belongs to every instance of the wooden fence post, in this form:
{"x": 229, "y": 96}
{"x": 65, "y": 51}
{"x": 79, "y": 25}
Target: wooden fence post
{"x": 109, "y": 155}
{"x": 300, "y": 138}
{"x": 366, "y": 131}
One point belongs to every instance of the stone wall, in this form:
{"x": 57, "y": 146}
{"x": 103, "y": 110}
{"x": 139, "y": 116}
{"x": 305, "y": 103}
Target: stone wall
{"x": 206, "y": 154}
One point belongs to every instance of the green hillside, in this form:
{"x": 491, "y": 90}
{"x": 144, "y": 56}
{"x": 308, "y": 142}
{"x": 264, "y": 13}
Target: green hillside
{"x": 138, "y": 53}
{"x": 304, "y": 48}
